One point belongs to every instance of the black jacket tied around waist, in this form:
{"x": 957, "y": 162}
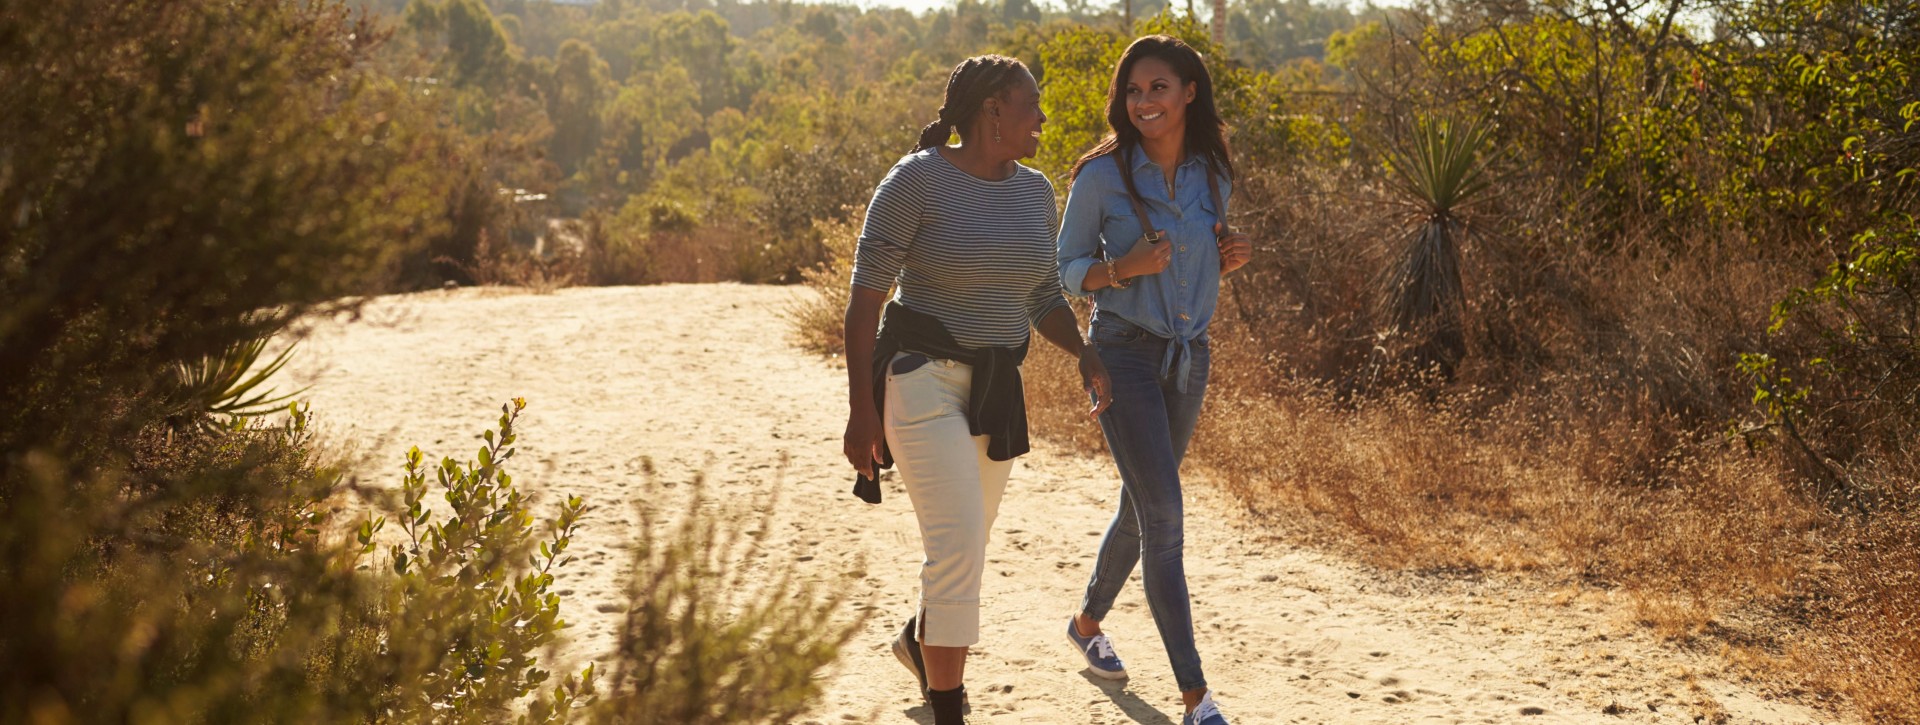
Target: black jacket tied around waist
{"x": 996, "y": 404}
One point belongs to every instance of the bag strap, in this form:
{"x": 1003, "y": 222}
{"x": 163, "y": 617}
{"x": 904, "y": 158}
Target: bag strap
{"x": 1219, "y": 205}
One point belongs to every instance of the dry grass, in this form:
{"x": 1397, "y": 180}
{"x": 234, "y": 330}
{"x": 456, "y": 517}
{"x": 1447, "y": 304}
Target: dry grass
{"x": 707, "y": 254}
{"x": 512, "y": 266}
{"x": 1056, "y": 404}
{"x": 818, "y": 324}
{"x": 1715, "y": 544}
{"x": 608, "y": 255}
{"x": 618, "y": 254}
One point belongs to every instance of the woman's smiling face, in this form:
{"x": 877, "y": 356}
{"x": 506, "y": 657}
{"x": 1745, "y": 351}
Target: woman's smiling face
{"x": 1157, "y": 99}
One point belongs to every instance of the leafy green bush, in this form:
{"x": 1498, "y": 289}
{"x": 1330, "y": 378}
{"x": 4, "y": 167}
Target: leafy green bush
{"x": 626, "y": 247}
{"x": 1839, "y": 372}
{"x": 180, "y": 177}
{"x": 472, "y": 607}
{"x": 225, "y": 595}
{"x": 195, "y": 583}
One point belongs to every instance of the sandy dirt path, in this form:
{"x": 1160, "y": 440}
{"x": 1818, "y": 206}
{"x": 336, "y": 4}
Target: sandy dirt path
{"x": 703, "y": 379}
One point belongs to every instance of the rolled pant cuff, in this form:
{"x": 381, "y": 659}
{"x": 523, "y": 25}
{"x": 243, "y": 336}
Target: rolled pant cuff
{"x": 946, "y": 624}
{"x": 1096, "y": 611}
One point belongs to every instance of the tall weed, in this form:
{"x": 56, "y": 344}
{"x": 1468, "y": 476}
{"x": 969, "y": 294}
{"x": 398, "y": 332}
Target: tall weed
{"x": 708, "y": 640}
{"x": 818, "y": 320}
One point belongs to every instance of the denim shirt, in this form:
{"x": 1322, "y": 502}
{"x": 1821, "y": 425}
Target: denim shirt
{"x": 1176, "y": 304}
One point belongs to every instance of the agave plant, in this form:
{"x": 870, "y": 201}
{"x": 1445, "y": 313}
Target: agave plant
{"x": 218, "y": 391}
{"x": 1440, "y": 171}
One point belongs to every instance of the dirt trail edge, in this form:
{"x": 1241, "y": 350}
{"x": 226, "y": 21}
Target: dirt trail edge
{"x": 701, "y": 379}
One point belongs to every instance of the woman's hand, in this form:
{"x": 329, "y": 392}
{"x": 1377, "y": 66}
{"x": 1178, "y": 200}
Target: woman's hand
{"x": 1145, "y": 258}
{"x": 1093, "y": 377}
{"x": 864, "y": 440}
{"x": 1235, "y": 249}
{"x": 1061, "y": 329}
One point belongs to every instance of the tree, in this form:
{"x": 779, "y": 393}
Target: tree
{"x": 701, "y": 45}
{"x": 1019, "y": 11}
{"x": 1269, "y": 33}
{"x": 1079, "y": 63}
{"x": 649, "y": 117}
{"x": 475, "y": 43}
{"x": 575, "y": 95}
{"x": 182, "y": 176}
{"x": 187, "y": 181}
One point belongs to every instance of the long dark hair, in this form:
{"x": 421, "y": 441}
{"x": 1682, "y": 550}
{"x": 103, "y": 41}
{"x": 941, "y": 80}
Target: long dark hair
{"x": 1206, "y": 133}
{"x": 973, "y": 81}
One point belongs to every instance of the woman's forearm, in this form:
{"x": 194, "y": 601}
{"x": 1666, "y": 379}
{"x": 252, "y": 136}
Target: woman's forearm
{"x": 862, "y": 321}
{"x": 1097, "y": 278}
{"x": 1062, "y": 328}
{"x": 1101, "y": 275}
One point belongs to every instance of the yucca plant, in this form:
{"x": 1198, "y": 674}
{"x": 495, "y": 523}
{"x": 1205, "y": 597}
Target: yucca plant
{"x": 215, "y": 392}
{"x": 1440, "y": 171}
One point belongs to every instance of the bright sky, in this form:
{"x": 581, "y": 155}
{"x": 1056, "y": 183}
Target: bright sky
{"x": 1696, "y": 18}
{"x": 919, "y": 6}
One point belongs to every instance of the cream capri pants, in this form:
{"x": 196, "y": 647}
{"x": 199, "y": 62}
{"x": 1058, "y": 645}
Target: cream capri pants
{"x": 955, "y": 491}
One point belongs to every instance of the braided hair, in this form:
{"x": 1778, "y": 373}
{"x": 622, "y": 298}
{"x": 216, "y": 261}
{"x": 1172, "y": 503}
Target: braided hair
{"x": 973, "y": 81}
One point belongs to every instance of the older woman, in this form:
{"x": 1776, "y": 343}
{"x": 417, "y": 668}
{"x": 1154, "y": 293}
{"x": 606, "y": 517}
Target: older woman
{"x": 966, "y": 234}
{"x": 1145, "y": 235}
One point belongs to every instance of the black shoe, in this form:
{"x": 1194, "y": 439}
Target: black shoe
{"x": 907, "y": 649}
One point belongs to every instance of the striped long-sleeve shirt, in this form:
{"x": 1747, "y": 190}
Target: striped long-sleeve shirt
{"x": 978, "y": 255}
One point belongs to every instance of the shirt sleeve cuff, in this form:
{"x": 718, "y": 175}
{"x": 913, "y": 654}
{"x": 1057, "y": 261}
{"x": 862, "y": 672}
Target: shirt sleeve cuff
{"x": 1073, "y": 275}
{"x": 1047, "y": 308}
{"x": 867, "y": 281}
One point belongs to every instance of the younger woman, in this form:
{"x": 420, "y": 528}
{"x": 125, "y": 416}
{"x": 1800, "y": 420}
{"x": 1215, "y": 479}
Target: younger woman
{"x": 1145, "y": 234}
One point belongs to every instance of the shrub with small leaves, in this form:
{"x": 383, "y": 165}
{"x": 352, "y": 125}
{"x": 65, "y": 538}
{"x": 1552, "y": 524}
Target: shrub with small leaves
{"x": 473, "y": 595}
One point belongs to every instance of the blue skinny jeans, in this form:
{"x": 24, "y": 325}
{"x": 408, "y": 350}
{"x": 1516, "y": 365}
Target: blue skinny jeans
{"x": 1148, "y": 427}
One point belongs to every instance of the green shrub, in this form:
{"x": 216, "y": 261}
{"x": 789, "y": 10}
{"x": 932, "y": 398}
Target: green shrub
{"x": 195, "y": 583}
{"x": 181, "y": 180}
{"x": 225, "y": 592}
{"x": 471, "y": 607}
